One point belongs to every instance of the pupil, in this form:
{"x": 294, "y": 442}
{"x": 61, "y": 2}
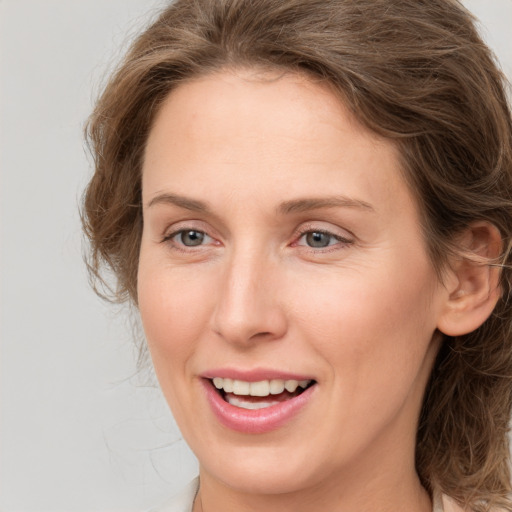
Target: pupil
{"x": 192, "y": 238}
{"x": 317, "y": 239}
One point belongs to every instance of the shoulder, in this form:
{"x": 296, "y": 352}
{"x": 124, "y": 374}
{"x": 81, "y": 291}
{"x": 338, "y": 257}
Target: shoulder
{"x": 181, "y": 502}
{"x": 443, "y": 503}
{"x": 449, "y": 505}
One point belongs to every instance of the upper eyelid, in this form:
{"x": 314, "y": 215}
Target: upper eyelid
{"x": 340, "y": 238}
{"x": 175, "y": 232}
{"x": 343, "y": 241}
{"x": 326, "y": 227}
{"x": 187, "y": 225}
{"x": 323, "y": 231}
{"x": 331, "y": 229}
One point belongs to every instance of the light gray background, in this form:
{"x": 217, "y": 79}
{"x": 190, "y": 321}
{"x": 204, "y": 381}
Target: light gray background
{"x": 79, "y": 430}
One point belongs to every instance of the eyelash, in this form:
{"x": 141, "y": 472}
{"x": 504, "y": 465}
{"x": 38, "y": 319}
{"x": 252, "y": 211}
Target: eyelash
{"x": 328, "y": 248}
{"x": 180, "y": 246}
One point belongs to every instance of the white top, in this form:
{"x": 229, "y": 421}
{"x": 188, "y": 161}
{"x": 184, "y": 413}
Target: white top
{"x": 184, "y": 501}
{"x": 181, "y": 502}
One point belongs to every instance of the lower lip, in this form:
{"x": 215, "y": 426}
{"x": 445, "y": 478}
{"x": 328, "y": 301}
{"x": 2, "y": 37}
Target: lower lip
{"x": 257, "y": 421}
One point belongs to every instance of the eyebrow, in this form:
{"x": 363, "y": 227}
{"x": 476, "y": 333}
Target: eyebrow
{"x": 316, "y": 203}
{"x": 287, "y": 207}
{"x": 183, "y": 202}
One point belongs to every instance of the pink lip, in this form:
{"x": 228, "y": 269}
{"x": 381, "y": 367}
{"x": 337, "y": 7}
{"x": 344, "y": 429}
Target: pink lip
{"x": 257, "y": 421}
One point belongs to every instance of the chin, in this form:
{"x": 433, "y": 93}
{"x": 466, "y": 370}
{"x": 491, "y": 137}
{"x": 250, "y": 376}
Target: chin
{"x": 258, "y": 479}
{"x": 265, "y": 469}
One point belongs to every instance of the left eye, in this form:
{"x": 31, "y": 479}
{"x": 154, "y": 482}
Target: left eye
{"x": 318, "y": 239}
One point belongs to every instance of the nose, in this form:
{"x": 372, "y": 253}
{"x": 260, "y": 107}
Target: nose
{"x": 248, "y": 307}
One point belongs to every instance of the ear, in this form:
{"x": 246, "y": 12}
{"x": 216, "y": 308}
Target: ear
{"x": 473, "y": 282}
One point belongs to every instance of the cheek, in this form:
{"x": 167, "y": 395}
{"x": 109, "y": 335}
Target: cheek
{"x": 174, "y": 313}
{"x": 373, "y": 323}
{"x": 172, "y": 316}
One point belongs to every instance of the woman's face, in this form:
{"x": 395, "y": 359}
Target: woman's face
{"x": 282, "y": 247}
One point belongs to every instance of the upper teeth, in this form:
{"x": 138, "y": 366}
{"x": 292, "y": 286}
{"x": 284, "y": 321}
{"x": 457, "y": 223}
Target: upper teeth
{"x": 260, "y": 388}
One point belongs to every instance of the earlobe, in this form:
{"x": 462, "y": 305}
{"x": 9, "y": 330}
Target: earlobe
{"x": 473, "y": 285}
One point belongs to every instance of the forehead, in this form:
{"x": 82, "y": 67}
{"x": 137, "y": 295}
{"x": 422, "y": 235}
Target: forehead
{"x": 269, "y": 104}
{"x": 248, "y": 129}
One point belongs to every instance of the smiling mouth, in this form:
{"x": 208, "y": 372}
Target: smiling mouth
{"x": 261, "y": 394}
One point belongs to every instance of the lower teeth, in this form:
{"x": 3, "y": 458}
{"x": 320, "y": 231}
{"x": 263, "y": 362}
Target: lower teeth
{"x": 244, "y": 404}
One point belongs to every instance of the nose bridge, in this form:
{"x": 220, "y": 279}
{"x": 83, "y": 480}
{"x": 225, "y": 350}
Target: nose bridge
{"x": 248, "y": 306}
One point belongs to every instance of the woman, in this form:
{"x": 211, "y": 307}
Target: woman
{"x": 309, "y": 201}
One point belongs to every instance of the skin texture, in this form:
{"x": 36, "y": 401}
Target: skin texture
{"x": 359, "y": 315}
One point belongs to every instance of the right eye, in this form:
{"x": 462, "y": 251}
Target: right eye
{"x": 189, "y": 238}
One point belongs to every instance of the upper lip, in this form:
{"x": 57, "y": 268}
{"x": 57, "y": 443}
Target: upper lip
{"x": 254, "y": 375}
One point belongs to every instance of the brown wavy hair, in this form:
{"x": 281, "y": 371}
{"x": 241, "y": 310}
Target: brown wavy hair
{"x": 413, "y": 71}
